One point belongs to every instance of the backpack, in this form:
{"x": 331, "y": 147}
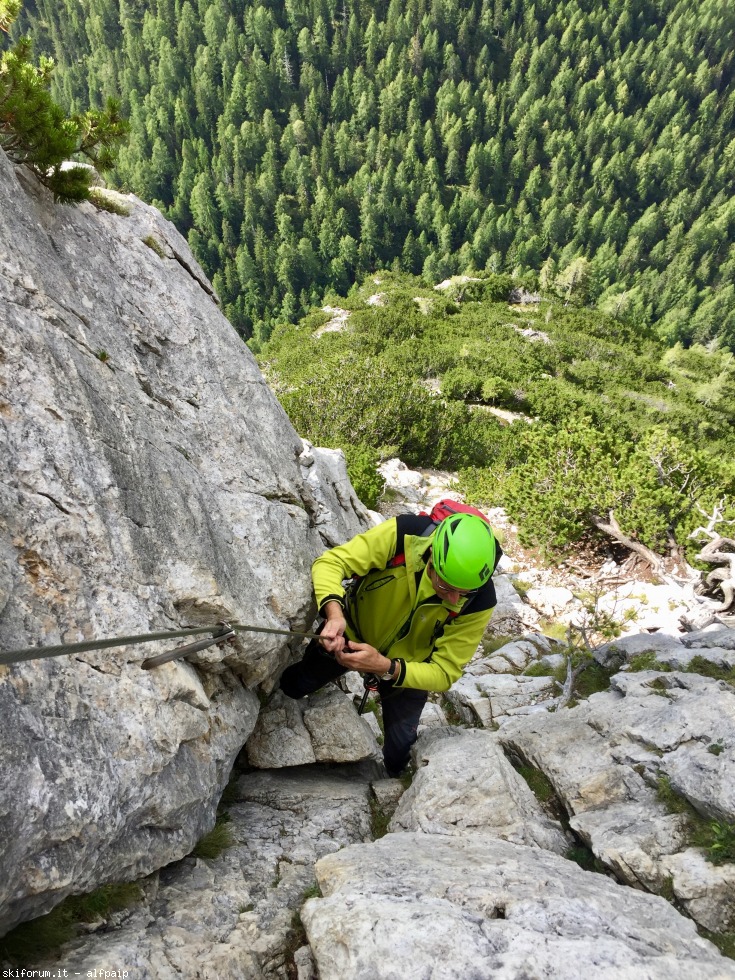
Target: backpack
{"x": 442, "y": 509}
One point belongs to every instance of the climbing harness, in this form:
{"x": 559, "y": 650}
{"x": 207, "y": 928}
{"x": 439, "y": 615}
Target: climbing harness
{"x": 220, "y": 633}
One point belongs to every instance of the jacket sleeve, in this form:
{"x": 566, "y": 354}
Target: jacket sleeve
{"x": 453, "y": 650}
{"x": 372, "y": 549}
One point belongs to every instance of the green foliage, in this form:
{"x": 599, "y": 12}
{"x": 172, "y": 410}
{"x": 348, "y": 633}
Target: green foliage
{"x": 300, "y": 147}
{"x": 724, "y": 941}
{"x": 539, "y": 669}
{"x": 217, "y": 841}
{"x": 648, "y": 453}
{"x": 40, "y": 937}
{"x": 646, "y": 661}
{"x": 591, "y": 680}
{"x": 538, "y": 782}
{"x": 700, "y": 665}
{"x": 673, "y": 801}
{"x": 35, "y": 131}
{"x": 721, "y": 850}
{"x": 379, "y": 820}
{"x": 585, "y": 858}
{"x": 362, "y": 469}
{"x": 716, "y": 837}
{"x": 105, "y": 201}
{"x": 153, "y": 243}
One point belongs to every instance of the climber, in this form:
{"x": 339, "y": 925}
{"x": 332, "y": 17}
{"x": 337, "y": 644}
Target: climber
{"x": 416, "y": 604}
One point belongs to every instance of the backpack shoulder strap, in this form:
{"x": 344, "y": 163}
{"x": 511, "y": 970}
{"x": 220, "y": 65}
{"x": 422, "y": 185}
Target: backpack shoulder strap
{"x": 418, "y": 525}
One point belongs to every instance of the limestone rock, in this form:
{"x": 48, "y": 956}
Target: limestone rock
{"x": 466, "y": 784}
{"x": 338, "y": 733}
{"x": 619, "y": 651}
{"x": 149, "y": 480}
{"x": 551, "y": 600}
{"x": 640, "y": 606}
{"x": 417, "y": 905}
{"x": 387, "y": 793}
{"x": 705, "y": 890}
{"x": 512, "y": 616}
{"x": 280, "y": 737}
{"x": 232, "y": 916}
{"x": 668, "y": 650}
{"x": 323, "y": 727}
{"x": 431, "y": 717}
{"x": 488, "y": 697}
{"x": 605, "y": 757}
{"x": 719, "y": 636}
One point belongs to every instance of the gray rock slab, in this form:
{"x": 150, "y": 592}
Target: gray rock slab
{"x": 232, "y": 917}
{"x": 434, "y": 908}
{"x": 550, "y": 600}
{"x": 466, "y": 784}
{"x": 617, "y": 652}
{"x": 338, "y": 733}
{"x": 487, "y": 697}
{"x": 605, "y": 757}
{"x": 512, "y": 616}
{"x": 719, "y": 636}
{"x": 705, "y": 890}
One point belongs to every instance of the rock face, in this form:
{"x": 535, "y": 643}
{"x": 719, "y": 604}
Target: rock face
{"x": 149, "y": 481}
{"x": 465, "y": 784}
{"x": 232, "y": 916}
{"x": 605, "y": 759}
{"x": 431, "y": 906}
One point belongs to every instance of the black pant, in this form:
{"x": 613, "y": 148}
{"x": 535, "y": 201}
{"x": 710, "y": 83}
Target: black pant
{"x": 402, "y": 707}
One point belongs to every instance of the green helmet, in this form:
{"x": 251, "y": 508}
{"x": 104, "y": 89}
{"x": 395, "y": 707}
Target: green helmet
{"x": 463, "y": 551}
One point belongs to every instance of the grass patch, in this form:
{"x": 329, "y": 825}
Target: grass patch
{"x": 594, "y": 678}
{"x": 31, "y": 941}
{"x": 724, "y": 941}
{"x": 539, "y": 669}
{"x": 539, "y": 784}
{"x": 521, "y": 586}
{"x": 584, "y": 857}
{"x": 216, "y": 841}
{"x": 555, "y": 631}
{"x": 716, "y": 748}
{"x": 646, "y": 661}
{"x": 706, "y": 668}
{"x": 106, "y": 202}
{"x": 154, "y": 244}
{"x": 379, "y": 820}
{"x": 715, "y": 837}
{"x": 490, "y": 644}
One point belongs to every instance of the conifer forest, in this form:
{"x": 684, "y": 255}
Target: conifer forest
{"x": 582, "y": 146}
{"x": 414, "y": 166}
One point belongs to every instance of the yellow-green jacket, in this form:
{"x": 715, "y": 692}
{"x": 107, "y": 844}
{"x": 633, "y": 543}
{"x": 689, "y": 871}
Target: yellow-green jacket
{"x": 396, "y": 609}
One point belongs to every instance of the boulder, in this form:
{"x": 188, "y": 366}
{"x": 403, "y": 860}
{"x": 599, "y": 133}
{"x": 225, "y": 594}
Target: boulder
{"x": 441, "y": 907}
{"x": 512, "y": 616}
{"x": 466, "y": 784}
{"x": 721, "y": 637}
{"x": 705, "y": 890}
{"x": 617, "y": 652}
{"x": 323, "y": 727}
{"x": 550, "y": 601}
